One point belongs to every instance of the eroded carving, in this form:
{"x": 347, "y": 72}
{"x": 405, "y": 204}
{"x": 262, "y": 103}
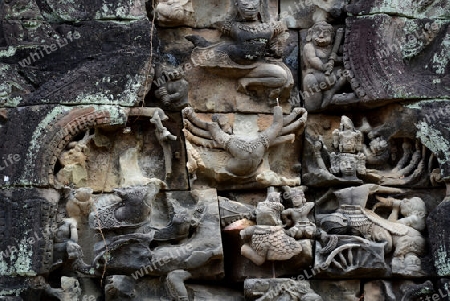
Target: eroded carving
{"x": 245, "y": 154}
{"x": 73, "y": 162}
{"x": 170, "y": 13}
{"x": 279, "y": 289}
{"x": 401, "y": 237}
{"x": 268, "y": 240}
{"x": 323, "y": 78}
{"x": 250, "y": 51}
{"x": 173, "y": 91}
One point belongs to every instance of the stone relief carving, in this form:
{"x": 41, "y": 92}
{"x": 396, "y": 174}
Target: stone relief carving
{"x": 70, "y": 290}
{"x": 163, "y": 136}
{"x": 401, "y": 236}
{"x": 245, "y": 154}
{"x": 279, "y": 289}
{"x": 250, "y": 52}
{"x": 268, "y": 240}
{"x": 171, "y": 13}
{"x": 173, "y": 90}
{"x": 323, "y": 78}
{"x": 366, "y": 154}
{"x": 73, "y": 162}
{"x": 115, "y": 202}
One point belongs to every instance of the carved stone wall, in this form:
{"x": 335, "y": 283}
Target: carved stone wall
{"x": 224, "y": 150}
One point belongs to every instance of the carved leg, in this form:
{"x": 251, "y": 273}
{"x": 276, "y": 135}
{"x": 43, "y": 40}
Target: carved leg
{"x": 248, "y": 252}
{"x": 175, "y": 284}
{"x": 311, "y": 93}
{"x": 266, "y": 75}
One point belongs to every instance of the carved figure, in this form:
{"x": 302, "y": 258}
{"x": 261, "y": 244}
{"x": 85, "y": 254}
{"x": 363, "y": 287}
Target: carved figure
{"x": 401, "y": 237}
{"x": 80, "y": 203}
{"x": 70, "y": 290}
{"x": 322, "y": 78}
{"x": 252, "y": 50}
{"x": 377, "y": 152}
{"x": 171, "y": 13}
{"x": 296, "y": 218}
{"x": 349, "y": 142}
{"x": 246, "y": 154}
{"x": 163, "y": 136}
{"x": 268, "y": 240}
{"x": 175, "y": 285}
{"x": 279, "y": 289}
{"x": 65, "y": 247}
{"x": 73, "y": 162}
{"x": 271, "y": 178}
{"x": 181, "y": 223}
{"x": 174, "y": 90}
{"x": 194, "y": 162}
{"x": 347, "y": 139}
{"x": 414, "y": 216}
{"x": 128, "y": 206}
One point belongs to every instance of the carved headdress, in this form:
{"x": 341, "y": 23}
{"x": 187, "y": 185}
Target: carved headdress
{"x": 263, "y": 15}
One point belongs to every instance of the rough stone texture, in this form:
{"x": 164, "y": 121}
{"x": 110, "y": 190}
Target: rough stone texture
{"x": 393, "y": 58}
{"x": 28, "y": 221}
{"x": 414, "y": 9}
{"x": 100, "y": 201}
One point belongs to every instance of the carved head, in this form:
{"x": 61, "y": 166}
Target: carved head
{"x": 248, "y": 9}
{"x": 378, "y": 146}
{"x": 414, "y": 205}
{"x": 83, "y": 194}
{"x": 347, "y": 166}
{"x": 298, "y": 197}
{"x": 70, "y": 284}
{"x": 321, "y": 34}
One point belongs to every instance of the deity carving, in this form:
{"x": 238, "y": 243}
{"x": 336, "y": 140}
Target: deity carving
{"x": 245, "y": 154}
{"x": 268, "y": 239}
{"x": 73, "y": 162}
{"x": 347, "y": 162}
{"x": 324, "y": 78}
{"x": 80, "y": 203}
{"x": 401, "y": 237}
{"x": 296, "y": 218}
{"x": 251, "y": 49}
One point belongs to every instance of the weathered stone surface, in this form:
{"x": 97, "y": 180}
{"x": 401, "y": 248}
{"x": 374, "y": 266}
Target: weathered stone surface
{"x": 304, "y": 13}
{"x": 393, "y": 58}
{"x": 412, "y": 9}
{"x": 337, "y": 290}
{"x": 281, "y": 288}
{"x": 56, "y": 127}
{"x": 154, "y": 289}
{"x": 27, "y": 225}
{"x": 382, "y": 290}
{"x": 245, "y": 150}
{"x": 58, "y": 62}
{"x": 119, "y": 120}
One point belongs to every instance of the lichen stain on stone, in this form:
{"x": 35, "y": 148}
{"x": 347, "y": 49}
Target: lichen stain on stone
{"x": 441, "y": 59}
{"x": 434, "y": 141}
{"x": 117, "y": 116}
{"x": 20, "y": 261}
{"x": 442, "y": 262}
